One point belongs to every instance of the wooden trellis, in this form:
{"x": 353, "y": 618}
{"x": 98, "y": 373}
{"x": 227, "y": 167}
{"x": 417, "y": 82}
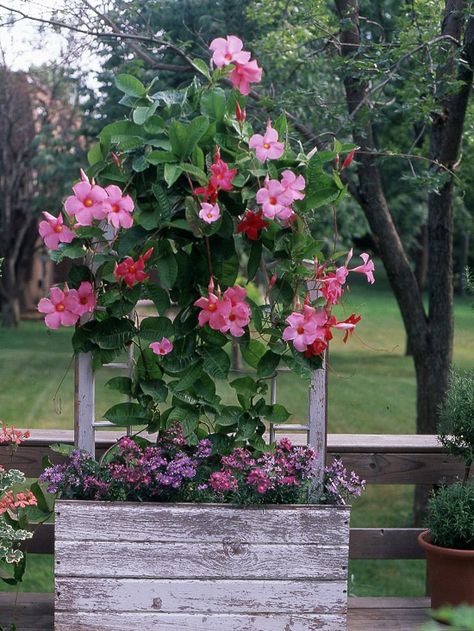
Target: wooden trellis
{"x": 85, "y": 422}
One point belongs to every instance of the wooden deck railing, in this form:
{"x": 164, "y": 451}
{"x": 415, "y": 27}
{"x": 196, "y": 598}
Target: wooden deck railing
{"x": 378, "y": 458}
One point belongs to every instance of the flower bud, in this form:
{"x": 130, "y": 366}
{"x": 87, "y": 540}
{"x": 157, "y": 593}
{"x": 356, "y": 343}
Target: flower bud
{"x": 240, "y": 114}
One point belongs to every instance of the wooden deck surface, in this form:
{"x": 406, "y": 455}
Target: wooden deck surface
{"x": 34, "y": 612}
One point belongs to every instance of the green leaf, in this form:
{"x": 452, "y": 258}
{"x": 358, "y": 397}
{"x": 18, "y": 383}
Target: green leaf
{"x": 112, "y": 333}
{"x": 213, "y": 104}
{"x": 229, "y": 415}
{"x": 212, "y": 337}
{"x": 160, "y": 157}
{"x": 172, "y": 173}
{"x": 276, "y": 413}
{"x": 256, "y": 315}
{"x": 268, "y": 364}
{"x": 195, "y": 131}
{"x": 157, "y": 389}
{"x": 254, "y": 259}
{"x": 139, "y": 164}
{"x": 167, "y": 271}
{"x": 121, "y": 384}
{"x": 62, "y": 448}
{"x": 202, "y": 67}
{"x": 189, "y": 378}
{"x": 252, "y": 352}
{"x": 147, "y": 366}
{"x": 177, "y": 134}
{"x": 94, "y": 155}
{"x": 196, "y": 172}
{"x": 130, "y": 85}
{"x": 322, "y": 187}
{"x": 127, "y": 414}
{"x": 159, "y": 296}
{"x": 156, "y": 328}
{"x": 216, "y": 362}
{"x": 38, "y": 492}
{"x": 162, "y": 198}
{"x": 244, "y": 385}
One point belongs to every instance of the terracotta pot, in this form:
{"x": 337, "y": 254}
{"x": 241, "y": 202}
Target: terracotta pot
{"x": 450, "y": 573}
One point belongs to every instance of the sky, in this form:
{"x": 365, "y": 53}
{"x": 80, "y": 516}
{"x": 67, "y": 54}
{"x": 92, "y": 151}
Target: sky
{"x": 23, "y": 44}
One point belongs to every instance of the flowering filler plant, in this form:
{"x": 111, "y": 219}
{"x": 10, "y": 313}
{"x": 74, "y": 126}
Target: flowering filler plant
{"x": 173, "y": 470}
{"x": 185, "y": 204}
{"x": 21, "y": 509}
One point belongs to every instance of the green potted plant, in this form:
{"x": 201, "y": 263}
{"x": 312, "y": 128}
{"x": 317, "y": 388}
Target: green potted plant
{"x": 449, "y": 540}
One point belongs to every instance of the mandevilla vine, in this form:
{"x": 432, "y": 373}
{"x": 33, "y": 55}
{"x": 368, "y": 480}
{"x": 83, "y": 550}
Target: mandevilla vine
{"x": 185, "y": 205}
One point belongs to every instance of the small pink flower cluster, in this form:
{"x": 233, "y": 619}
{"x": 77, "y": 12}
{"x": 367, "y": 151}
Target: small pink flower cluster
{"x": 91, "y": 201}
{"x": 309, "y": 329}
{"x": 220, "y": 179}
{"x": 11, "y": 502}
{"x": 12, "y": 436}
{"x": 229, "y": 51}
{"x": 228, "y": 314}
{"x": 276, "y": 197}
{"x": 65, "y": 307}
{"x": 273, "y": 472}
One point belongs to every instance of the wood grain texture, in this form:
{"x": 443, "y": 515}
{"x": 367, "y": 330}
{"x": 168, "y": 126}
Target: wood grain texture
{"x": 87, "y": 621}
{"x": 364, "y": 543}
{"x": 200, "y": 596}
{"x": 230, "y": 559}
{"x": 188, "y": 566}
{"x": 34, "y": 612}
{"x": 198, "y": 523}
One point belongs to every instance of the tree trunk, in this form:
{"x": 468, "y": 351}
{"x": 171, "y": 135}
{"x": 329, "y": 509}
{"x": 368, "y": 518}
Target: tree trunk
{"x": 420, "y": 258}
{"x": 430, "y": 336}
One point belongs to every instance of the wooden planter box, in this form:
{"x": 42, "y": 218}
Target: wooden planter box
{"x": 196, "y": 567}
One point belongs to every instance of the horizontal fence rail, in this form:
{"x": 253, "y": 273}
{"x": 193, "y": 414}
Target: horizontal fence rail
{"x": 378, "y": 458}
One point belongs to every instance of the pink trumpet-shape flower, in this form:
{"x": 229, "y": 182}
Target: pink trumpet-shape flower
{"x": 239, "y": 314}
{"x": 53, "y": 231}
{"x": 86, "y": 300}
{"x": 209, "y": 212}
{"x": 118, "y": 207}
{"x": 293, "y": 184}
{"x": 348, "y": 325}
{"x": 60, "y": 308}
{"x": 214, "y": 311}
{"x": 87, "y": 203}
{"x": 222, "y": 176}
{"x": 304, "y": 328}
{"x": 245, "y": 74}
{"x": 163, "y": 347}
{"x": 367, "y": 268}
{"x": 332, "y": 285}
{"x": 267, "y": 147}
{"x": 274, "y": 199}
{"x": 228, "y": 51}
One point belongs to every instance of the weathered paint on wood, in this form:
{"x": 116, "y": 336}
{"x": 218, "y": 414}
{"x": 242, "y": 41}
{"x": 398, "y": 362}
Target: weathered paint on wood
{"x": 34, "y": 612}
{"x": 84, "y": 402}
{"x": 233, "y": 559}
{"x": 86, "y": 621}
{"x": 191, "y": 523}
{"x": 200, "y": 596}
{"x": 227, "y": 567}
{"x": 364, "y": 543}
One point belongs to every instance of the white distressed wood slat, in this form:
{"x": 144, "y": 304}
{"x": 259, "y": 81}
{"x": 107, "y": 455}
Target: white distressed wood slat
{"x": 199, "y": 523}
{"x": 231, "y": 559}
{"x": 90, "y": 621}
{"x": 200, "y": 596}
{"x": 264, "y": 567}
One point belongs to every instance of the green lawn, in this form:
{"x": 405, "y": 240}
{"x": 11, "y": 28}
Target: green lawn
{"x": 371, "y": 390}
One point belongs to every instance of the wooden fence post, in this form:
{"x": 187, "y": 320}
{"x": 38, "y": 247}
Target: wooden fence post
{"x": 84, "y": 403}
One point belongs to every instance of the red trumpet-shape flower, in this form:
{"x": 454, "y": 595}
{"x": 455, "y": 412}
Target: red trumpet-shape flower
{"x": 132, "y": 271}
{"x": 252, "y": 224}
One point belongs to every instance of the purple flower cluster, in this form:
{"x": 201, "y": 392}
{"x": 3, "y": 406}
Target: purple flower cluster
{"x": 172, "y": 470}
{"x": 339, "y": 485}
